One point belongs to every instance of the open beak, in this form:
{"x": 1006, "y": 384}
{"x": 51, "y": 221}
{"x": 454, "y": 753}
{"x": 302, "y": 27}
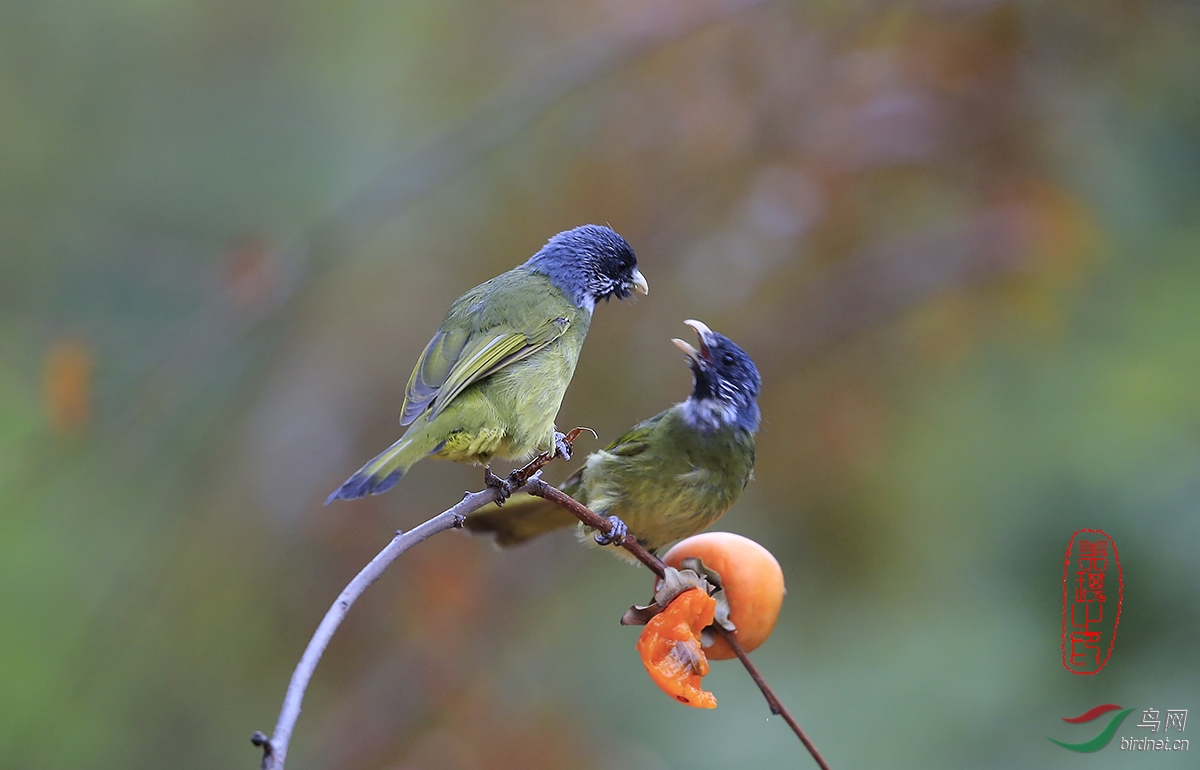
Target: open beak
{"x": 639, "y": 282}
{"x": 699, "y": 357}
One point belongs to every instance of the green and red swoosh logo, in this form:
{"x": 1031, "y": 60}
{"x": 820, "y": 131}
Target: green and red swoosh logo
{"x": 1101, "y": 740}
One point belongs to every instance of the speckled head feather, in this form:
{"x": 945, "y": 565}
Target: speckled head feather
{"x": 725, "y": 382}
{"x": 589, "y": 263}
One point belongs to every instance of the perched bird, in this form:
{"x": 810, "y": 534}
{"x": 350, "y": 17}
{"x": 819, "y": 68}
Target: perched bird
{"x": 491, "y": 380}
{"x": 668, "y": 477}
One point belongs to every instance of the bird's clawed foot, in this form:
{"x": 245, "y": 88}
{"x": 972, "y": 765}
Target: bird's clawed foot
{"x": 616, "y": 535}
{"x": 563, "y": 442}
{"x": 562, "y": 445}
{"x": 502, "y": 486}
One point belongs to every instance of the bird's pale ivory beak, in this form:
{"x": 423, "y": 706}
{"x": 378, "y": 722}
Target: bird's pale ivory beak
{"x": 701, "y": 328}
{"x": 702, "y": 331}
{"x": 687, "y": 349}
{"x": 639, "y": 282}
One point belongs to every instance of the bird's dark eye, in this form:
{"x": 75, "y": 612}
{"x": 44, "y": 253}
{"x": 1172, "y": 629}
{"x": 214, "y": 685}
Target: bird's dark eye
{"x": 728, "y": 359}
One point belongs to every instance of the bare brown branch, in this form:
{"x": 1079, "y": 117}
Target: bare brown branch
{"x": 777, "y": 707}
{"x": 524, "y": 479}
{"x": 275, "y": 748}
{"x": 540, "y": 488}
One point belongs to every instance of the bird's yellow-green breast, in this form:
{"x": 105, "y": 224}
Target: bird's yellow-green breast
{"x": 665, "y": 479}
{"x": 510, "y": 413}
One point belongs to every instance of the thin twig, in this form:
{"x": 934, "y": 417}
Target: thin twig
{"x": 526, "y": 480}
{"x": 777, "y": 708}
{"x": 591, "y": 519}
{"x": 539, "y": 488}
{"x": 275, "y": 748}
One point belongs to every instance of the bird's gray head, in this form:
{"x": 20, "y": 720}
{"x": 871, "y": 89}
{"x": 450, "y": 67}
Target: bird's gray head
{"x": 590, "y": 263}
{"x": 725, "y": 382}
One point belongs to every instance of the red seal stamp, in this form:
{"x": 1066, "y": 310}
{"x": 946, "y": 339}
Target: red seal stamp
{"x": 1090, "y": 611}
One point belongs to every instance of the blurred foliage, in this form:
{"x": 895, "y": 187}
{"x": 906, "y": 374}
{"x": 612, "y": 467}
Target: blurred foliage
{"x": 958, "y": 236}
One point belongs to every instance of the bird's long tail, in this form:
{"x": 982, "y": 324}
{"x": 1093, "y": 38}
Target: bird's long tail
{"x": 381, "y": 473}
{"x": 522, "y": 518}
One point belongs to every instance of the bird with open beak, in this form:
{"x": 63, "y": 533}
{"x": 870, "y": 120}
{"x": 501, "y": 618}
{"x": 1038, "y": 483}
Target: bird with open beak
{"x": 668, "y": 477}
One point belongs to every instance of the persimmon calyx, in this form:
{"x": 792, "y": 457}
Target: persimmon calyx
{"x": 693, "y": 575}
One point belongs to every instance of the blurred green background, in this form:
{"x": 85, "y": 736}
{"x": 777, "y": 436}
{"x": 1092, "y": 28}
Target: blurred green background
{"x": 959, "y": 237}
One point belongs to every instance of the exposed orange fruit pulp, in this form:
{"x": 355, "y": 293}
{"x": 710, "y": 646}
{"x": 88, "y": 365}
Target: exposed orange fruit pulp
{"x": 670, "y": 648}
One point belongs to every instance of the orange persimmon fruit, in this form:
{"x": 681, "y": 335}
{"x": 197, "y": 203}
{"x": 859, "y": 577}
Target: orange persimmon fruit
{"x": 752, "y": 579}
{"x": 670, "y": 648}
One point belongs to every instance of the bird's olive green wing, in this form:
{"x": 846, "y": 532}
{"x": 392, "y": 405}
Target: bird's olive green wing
{"x": 431, "y": 371}
{"x": 455, "y": 359}
{"x": 635, "y": 440}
